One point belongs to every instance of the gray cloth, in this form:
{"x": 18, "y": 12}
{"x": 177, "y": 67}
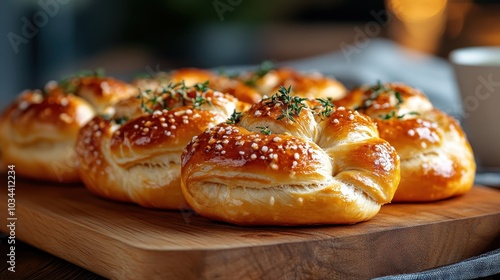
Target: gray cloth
{"x": 484, "y": 265}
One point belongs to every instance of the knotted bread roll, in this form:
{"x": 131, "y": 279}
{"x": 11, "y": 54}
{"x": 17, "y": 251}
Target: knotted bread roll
{"x": 268, "y": 79}
{"x": 138, "y": 159}
{"x": 436, "y": 159}
{"x": 38, "y": 132}
{"x": 284, "y": 163}
{"x": 39, "y": 129}
{"x": 193, "y": 76}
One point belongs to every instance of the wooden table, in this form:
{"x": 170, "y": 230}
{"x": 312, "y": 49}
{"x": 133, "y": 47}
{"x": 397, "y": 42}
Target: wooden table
{"x": 459, "y": 228}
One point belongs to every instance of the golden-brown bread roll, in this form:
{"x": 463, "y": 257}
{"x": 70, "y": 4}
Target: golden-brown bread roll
{"x": 193, "y": 76}
{"x": 286, "y": 164}
{"x": 38, "y": 133}
{"x": 311, "y": 85}
{"x": 173, "y": 95}
{"x": 139, "y": 161}
{"x": 101, "y": 92}
{"x": 436, "y": 159}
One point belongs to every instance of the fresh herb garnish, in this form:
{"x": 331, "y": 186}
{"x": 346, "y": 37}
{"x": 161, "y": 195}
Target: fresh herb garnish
{"x": 70, "y": 84}
{"x": 174, "y": 91}
{"x": 377, "y": 90}
{"x": 399, "y": 98}
{"x": 235, "y": 118}
{"x": 118, "y": 121}
{"x": 392, "y": 114}
{"x": 263, "y": 69}
{"x": 389, "y": 115}
{"x": 264, "y": 130}
{"x": 326, "y": 107}
{"x": 202, "y": 86}
{"x": 292, "y": 105}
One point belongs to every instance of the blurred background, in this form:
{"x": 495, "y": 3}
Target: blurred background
{"x": 355, "y": 41}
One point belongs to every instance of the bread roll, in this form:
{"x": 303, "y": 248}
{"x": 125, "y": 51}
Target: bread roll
{"x": 139, "y": 161}
{"x": 436, "y": 159}
{"x": 193, "y": 76}
{"x": 284, "y": 163}
{"x": 309, "y": 85}
{"x": 38, "y": 133}
{"x": 102, "y": 93}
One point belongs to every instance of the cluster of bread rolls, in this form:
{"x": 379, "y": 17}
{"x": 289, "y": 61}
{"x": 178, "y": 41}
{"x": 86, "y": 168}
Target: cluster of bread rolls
{"x": 139, "y": 160}
{"x": 268, "y": 147}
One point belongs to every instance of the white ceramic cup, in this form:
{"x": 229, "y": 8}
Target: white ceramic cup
{"x": 477, "y": 71}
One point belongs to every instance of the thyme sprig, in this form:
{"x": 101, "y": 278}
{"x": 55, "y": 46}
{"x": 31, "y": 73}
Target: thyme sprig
{"x": 376, "y": 91}
{"x": 178, "y": 92}
{"x": 118, "y": 121}
{"x": 234, "y": 118}
{"x": 392, "y": 114}
{"x": 261, "y": 71}
{"x": 326, "y": 108}
{"x": 264, "y": 130}
{"x": 292, "y": 105}
{"x": 70, "y": 84}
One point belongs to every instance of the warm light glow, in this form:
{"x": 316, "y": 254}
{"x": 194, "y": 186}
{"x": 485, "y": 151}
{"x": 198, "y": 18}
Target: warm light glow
{"x": 418, "y": 24}
{"x": 414, "y": 11}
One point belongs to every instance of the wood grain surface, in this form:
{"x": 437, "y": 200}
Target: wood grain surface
{"x": 123, "y": 241}
{"x": 35, "y": 264}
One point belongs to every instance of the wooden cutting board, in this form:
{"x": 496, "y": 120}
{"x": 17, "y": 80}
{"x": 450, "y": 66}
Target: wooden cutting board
{"x": 123, "y": 241}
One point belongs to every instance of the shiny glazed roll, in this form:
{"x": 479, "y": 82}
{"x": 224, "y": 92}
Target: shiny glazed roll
{"x": 284, "y": 163}
{"x": 267, "y": 80}
{"x": 101, "y": 92}
{"x": 38, "y": 133}
{"x": 436, "y": 159}
{"x": 138, "y": 159}
{"x": 193, "y": 76}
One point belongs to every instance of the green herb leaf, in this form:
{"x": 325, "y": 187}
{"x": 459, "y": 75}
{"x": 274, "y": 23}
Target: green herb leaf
{"x": 377, "y": 90}
{"x": 120, "y": 121}
{"x": 70, "y": 84}
{"x": 263, "y": 69}
{"x": 176, "y": 91}
{"x": 235, "y": 118}
{"x": 409, "y": 113}
{"x": 292, "y": 105}
{"x": 264, "y": 130}
{"x": 388, "y": 116}
{"x": 398, "y": 97}
{"x": 202, "y": 86}
{"x": 326, "y": 107}
{"x": 392, "y": 114}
